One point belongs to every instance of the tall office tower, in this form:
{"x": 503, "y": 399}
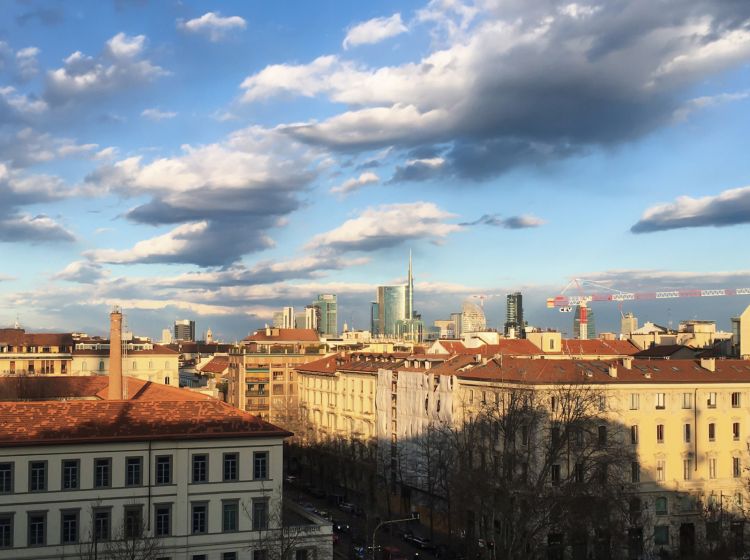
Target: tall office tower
{"x": 278, "y": 320}
{"x": 300, "y": 318}
{"x": 184, "y": 329}
{"x": 391, "y": 308}
{"x": 457, "y": 322}
{"x": 410, "y": 291}
{"x": 514, "y": 315}
{"x": 374, "y": 319}
{"x": 583, "y": 323}
{"x": 311, "y": 317}
{"x": 327, "y": 315}
{"x": 472, "y": 318}
{"x": 628, "y": 324}
{"x": 287, "y": 318}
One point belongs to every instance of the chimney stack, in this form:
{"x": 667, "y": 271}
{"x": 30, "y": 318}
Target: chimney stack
{"x": 115, "y": 355}
{"x": 708, "y": 363}
{"x": 627, "y": 362}
{"x": 613, "y": 370}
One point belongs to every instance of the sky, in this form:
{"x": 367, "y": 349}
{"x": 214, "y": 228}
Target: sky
{"x": 219, "y": 160}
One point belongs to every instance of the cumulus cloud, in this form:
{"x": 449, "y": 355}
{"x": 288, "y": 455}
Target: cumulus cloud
{"x": 213, "y": 25}
{"x": 418, "y": 170}
{"x": 523, "y": 221}
{"x": 387, "y": 226}
{"x": 28, "y": 66}
{"x": 374, "y": 31}
{"x": 28, "y": 146}
{"x": 728, "y": 208}
{"x": 157, "y": 115}
{"x": 17, "y": 107}
{"x": 83, "y": 272}
{"x": 617, "y": 73}
{"x": 120, "y": 66}
{"x": 658, "y": 279}
{"x": 707, "y": 101}
{"x": 222, "y": 197}
{"x": 355, "y": 183}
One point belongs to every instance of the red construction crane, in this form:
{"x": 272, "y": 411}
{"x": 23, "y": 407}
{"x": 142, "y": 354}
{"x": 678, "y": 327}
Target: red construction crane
{"x": 565, "y": 302}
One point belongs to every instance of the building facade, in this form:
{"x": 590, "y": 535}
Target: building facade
{"x": 327, "y": 315}
{"x": 184, "y": 329}
{"x": 514, "y": 323}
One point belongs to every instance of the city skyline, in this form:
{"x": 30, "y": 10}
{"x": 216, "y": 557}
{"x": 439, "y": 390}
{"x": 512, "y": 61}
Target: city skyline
{"x": 139, "y": 167}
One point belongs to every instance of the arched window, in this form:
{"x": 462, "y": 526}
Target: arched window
{"x": 101, "y": 365}
{"x": 660, "y": 505}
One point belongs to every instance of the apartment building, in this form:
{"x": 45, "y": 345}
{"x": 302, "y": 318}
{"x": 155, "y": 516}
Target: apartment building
{"x": 141, "y": 359}
{"x": 262, "y": 377}
{"x": 194, "y": 475}
{"x": 23, "y": 353}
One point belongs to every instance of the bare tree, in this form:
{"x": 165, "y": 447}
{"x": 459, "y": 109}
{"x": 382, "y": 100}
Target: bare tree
{"x": 279, "y": 537}
{"x": 129, "y": 541}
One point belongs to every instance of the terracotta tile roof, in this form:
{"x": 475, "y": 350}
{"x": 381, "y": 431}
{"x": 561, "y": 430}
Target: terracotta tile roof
{"x": 198, "y": 347}
{"x": 452, "y": 346}
{"x": 598, "y": 347}
{"x": 689, "y": 372}
{"x": 67, "y": 422}
{"x": 19, "y": 337}
{"x": 510, "y": 347}
{"x": 285, "y": 335}
{"x": 218, "y": 364}
{"x": 157, "y": 350}
{"x": 664, "y": 351}
{"x": 357, "y": 362}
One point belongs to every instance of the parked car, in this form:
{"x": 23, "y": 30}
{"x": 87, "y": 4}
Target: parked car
{"x": 347, "y": 507}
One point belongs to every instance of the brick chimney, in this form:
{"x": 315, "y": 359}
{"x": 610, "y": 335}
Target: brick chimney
{"x": 115, "y": 355}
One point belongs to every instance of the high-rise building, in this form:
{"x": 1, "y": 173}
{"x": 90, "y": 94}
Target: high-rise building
{"x": 457, "y": 323}
{"x": 514, "y": 325}
{"x": 374, "y": 319}
{"x": 287, "y": 318}
{"x": 410, "y": 292}
{"x": 278, "y": 320}
{"x": 472, "y": 318}
{"x": 391, "y": 308}
{"x": 166, "y": 336}
{"x": 628, "y": 324}
{"x": 327, "y": 314}
{"x": 184, "y": 329}
{"x": 583, "y": 323}
{"x": 311, "y": 317}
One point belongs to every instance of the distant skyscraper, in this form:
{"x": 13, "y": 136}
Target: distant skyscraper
{"x": 374, "y": 319}
{"x": 514, "y": 315}
{"x": 584, "y": 329}
{"x": 327, "y": 314}
{"x": 628, "y": 324}
{"x": 472, "y": 318}
{"x": 278, "y": 320}
{"x": 391, "y": 308}
{"x": 311, "y": 317}
{"x": 184, "y": 329}
{"x": 287, "y": 318}
{"x": 457, "y": 323}
{"x": 410, "y": 292}
{"x": 166, "y": 336}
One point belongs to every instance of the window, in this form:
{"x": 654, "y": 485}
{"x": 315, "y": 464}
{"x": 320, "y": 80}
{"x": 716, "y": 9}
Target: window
{"x": 635, "y": 401}
{"x": 200, "y": 518}
{"x": 686, "y": 432}
{"x": 37, "y": 476}
{"x": 229, "y": 556}
{"x": 102, "y": 471}
{"x": 133, "y": 521}
{"x": 712, "y": 432}
{"x": 738, "y": 499}
{"x": 260, "y": 514}
{"x": 660, "y": 505}
{"x": 230, "y": 466}
{"x": 37, "y": 529}
{"x": 735, "y": 400}
{"x": 102, "y": 524}
{"x": 69, "y": 526}
{"x": 133, "y": 469}
{"x": 301, "y": 554}
{"x": 687, "y": 400}
{"x": 660, "y": 468}
{"x": 660, "y": 401}
{"x": 660, "y": 433}
{"x": 602, "y": 435}
{"x": 634, "y": 435}
{"x": 736, "y": 467}
{"x": 260, "y": 465}
{"x": 736, "y": 431}
{"x": 229, "y": 515}
{"x": 661, "y": 535}
{"x": 70, "y": 471}
{"x": 164, "y": 469}
{"x": 6, "y": 530}
{"x": 198, "y": 557}
{"x": 555, "y": 474}
{"x": 6, "y": 478}
{"x": 635, "y": 472}
{"x": 712, "y": 467}
{"x": 687, "y": 467}
{"x": 200, "y": 468}
{"x": 162, "y": 520}
{"x": 711, "y": 403}
{"x": 555, "y": 435}
{"x": 260, "y": 555}
{"x": 578, "y": 473}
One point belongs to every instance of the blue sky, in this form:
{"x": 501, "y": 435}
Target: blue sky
{"x": 219, "y": 160}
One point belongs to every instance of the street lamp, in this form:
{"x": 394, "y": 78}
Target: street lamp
{"x": 414, "y": 516}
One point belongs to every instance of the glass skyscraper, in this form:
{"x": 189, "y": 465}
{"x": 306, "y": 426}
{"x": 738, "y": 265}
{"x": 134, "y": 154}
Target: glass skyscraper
{"x": 327, "y": 315}
{"x": 394, "y": 309}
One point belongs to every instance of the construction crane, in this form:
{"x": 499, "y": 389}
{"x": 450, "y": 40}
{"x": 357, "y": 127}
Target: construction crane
{"x": 565, "y": 302}
{"x": 482, "y": 297}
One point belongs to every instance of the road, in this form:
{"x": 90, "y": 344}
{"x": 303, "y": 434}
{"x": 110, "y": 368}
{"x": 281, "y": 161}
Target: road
{"x": 344, "y": 548}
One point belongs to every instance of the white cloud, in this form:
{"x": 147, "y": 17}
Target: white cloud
{"x": 374, "y": 31}
{"x": 157, "y": 115}
{"x": 120, "y": 67}
{"x": 355, "y": 183}
{"x": 21, "y": 103}
{"x": 213, "y": 25}
{"x": 387, "y": 226}
{"x": 27, "y": 63}
{"x": 705, "y": 102}
{"x": 83, "y": 272}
